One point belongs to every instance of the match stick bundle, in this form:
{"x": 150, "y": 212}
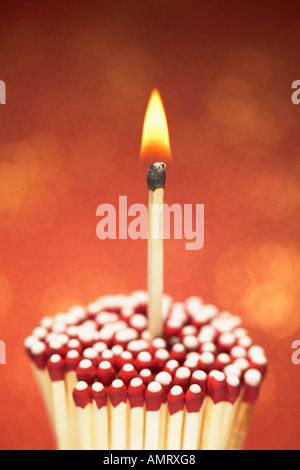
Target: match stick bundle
{"x": 108, "y": 385}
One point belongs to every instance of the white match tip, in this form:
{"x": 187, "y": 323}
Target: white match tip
{"x": 128, "y": 367}
{"x": 242, "y": 363}
{"x": 176, "y": 390}
{"x": 227, "y": 338}
{"x": 72, "y": 354}
{"x": 199, "y": 375}
{"x": 144, "y": 356}
{"x": 172, "y": 364}
{"x": 154, "y": 387}
{"x": 255, "y": 350}
{"x": 30, "y": 340}
{"x": 190, "y": 363}
{"x": 55, "y": 343}
{"x": 195, "y": 388}
{"x": 207, "y": 357}
{"x": 232, "y": 369}
{"x": 118, "y": 383}
{"x": 40, "y": 332}
{"x": 216, "y": 374}
{"x": 190, "y": 341}
{"x": 253, "y": 377}
{"x": 137, "y": 345}
{"x": 183, "y": 373}
{"x": 159, "y": 343}
{"x": 73, "y": 343}
{"x": 104, "y": 365}
{"x": 90, "y": 353}
{"x": 85, "y": 363}
{"x": 233, "y": 380}
{"x": 107, "y": 354}
{"x": 81, "y": 385}
{"x": 164, "y": 378}
{"x": 259, "y": 359}
{"x": 224, "y": 358}
{"x": 138, "y": 321}
{"x": 145, "y": 372}
{"x": 55, "y": 358}
{"x": 178, "y": 347}
{"x": 126, "y": 355}
{"x": 97, "y": 387}
{"x": 37, "y": 347}
{"x": 162, "y": 354}
{"x": 238, "y": 351}
{"x": 209, "y": 346}
{"x": 117, "y": 349}
{"x": 136, "y": 382}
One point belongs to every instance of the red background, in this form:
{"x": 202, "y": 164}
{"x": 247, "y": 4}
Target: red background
{"x": 78, "y": 78}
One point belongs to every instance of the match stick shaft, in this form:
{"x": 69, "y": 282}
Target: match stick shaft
{"x": 101, "y": 427}
{"x": 137, "y": 421}
{"x": 84, "y": 422}
{"x": 155, "y": 262}
{"x": 44, "y": 383}
{"x": 119, "y": 430}
{"x": 163, "y": 426}
{"x": 241, "y": 426}
{"x": 152, "y": 430}
{"x": 174, "y": 435}
{"x": 70, "y": 382}
{"x": 212, "y": 425}
{"x": 60, "y": 414}
{"x": 192, "y": 430}
{"x": 230, "y": 413}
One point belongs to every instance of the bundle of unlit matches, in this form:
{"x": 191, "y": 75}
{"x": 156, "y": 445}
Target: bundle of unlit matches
{"x": 108, "y": 385}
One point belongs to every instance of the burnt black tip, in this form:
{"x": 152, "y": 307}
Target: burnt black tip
{"x": 156, "y": 176}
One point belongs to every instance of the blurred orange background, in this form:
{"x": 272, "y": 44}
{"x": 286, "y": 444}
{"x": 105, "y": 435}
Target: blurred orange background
{"x": 78, "y": 78}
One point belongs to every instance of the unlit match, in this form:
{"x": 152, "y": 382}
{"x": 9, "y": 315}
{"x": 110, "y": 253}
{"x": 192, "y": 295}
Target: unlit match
{"x": 109, "y": 385}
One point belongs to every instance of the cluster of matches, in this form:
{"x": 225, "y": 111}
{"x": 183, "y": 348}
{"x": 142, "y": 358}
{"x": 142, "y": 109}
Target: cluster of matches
{"x": 107, "y": 384}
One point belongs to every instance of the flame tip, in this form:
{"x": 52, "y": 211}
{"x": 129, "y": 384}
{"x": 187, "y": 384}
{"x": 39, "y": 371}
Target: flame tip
{"x": 155, "y": 136}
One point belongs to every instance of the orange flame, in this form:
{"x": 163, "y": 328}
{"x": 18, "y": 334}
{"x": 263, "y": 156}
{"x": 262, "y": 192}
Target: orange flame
{"x": 155, "y": 137}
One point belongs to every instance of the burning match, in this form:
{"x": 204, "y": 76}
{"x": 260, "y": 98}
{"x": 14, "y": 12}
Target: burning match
{"x": 144, "y": 371}
{"x": 156, "y": 182}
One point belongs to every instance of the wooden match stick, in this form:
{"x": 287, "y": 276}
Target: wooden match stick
{"x": 55, "y": 366}
{"x": 193, "y": 418}
{"x": 216, "y": 393}
{"x": 119, "y": 434}
{"x": 82, "y": 395}
{"x": 156, "y": 183}
{"x": 165, "y": 379}
{"x": 37, "y": 352}
{"x": 153, "y": 400}
{"x": 182, "y": 377}
{"x": 100, "y": 417}
{"x": 251, "y": 388}
{"x": 230, "y": 407}
{"x": 86, "y": 371}
{"x": 105, "y": 373}
{"x": 136, "y": 398}
{"x": 72, "y": 360}
{"x": 175, "y": 418}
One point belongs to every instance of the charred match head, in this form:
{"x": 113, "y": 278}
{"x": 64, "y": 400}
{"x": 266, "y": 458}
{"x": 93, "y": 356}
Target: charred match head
{"x": 156, "y": 176}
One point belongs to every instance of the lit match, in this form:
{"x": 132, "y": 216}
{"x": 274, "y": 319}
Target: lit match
{"x": 155, "y": 144}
